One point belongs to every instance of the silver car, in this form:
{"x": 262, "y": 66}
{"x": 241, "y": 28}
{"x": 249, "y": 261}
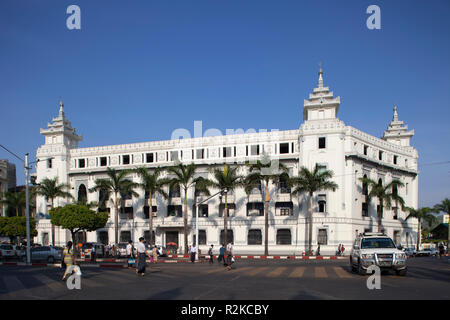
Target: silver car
{"x": 46, "y": 253}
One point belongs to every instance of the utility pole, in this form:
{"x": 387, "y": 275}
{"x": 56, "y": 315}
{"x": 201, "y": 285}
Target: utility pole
{"x": 27, "y": 201}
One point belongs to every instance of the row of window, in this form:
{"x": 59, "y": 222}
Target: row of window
{"x": 254, "y": 237}
{"x": 198, "y": 154}
{"x": 381, "y": 156}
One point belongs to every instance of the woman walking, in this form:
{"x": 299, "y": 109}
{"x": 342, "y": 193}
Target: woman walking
{"x": 155, "y": 254}
{"x": 69, "y": 259}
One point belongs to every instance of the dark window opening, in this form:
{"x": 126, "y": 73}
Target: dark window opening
{"x": 284, "y": 236}
{"x": 128, "y": 213}
{"x": 284, "y": 148}
{"x": 254, "y": 237}
{"x": 380, "y": 155}
{"x": 81, "y": 163}
{"x": 366, "y": 148}
{"x": 201, "y": 237}
{"x": 395, "y": 159}
{"x": 103, "y": 162}
{"x": 284, "y": 208}
{"x": 149, "y": 157}
{"x": 226, "y": 152}
{"x": 229, "y": 236}
{"x": 322, "y": 237}
{"x": 125, "y": 236}
{"x": 255, "y": 209}
{"x": 174, "y": 211}
{"x": 322, "y": 143}
{"x": 147, "y": 211}
{"x": 126, "y": 159}
{"x": 174, "y": 192}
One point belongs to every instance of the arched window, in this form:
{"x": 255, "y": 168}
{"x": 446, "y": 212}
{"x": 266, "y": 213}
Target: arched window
{"x": 82, "y": 193}
{"x": 284, "y": 236}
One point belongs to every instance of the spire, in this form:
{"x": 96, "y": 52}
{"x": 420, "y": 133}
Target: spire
{"x": 395, "y": 118}
{"x": 61, "y": 108}
{"x": 320, "y": 85}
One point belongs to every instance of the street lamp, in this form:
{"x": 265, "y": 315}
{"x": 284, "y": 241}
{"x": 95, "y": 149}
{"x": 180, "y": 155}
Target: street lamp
{"x": 221, "y": 192}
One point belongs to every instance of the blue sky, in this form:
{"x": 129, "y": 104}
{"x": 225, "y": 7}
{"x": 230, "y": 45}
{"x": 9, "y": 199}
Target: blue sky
{"x": 137, "y": 70}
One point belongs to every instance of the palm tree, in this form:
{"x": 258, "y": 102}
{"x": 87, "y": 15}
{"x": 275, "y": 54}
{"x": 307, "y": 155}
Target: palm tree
{"x": 444, "y": 206}
{"x": 184, "y": 179}
{"x": 310, "y": 182}
{"x": 385, "y": 195}
{"x": 264, "y": 171}
{"x": 14, "y": 200}
{"x": 50, "y": 189}
{"x": 152, "y": 184}
{"x": 227, "y": 180}
{"x": 118, "y": 184}
{"x": 421, "y": 214}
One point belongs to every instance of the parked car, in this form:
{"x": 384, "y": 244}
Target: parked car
{"x": 99, "y": 249}
{"x": 46, "y": 253}
{"x": 20, "y": 251}
{"x": 121, "y": 250}
{"x": 7, "y": 251}
{"x": 409, "y": 251}
{"x": 427, "y": 252}
{"x": 377, "y": 249}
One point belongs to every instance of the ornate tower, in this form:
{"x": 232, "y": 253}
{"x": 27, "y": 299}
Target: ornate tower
{"x": 397, "y": 132}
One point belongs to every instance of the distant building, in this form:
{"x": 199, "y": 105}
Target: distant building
{"x": 322, "y": 139}
{"x": 7, "y": 179}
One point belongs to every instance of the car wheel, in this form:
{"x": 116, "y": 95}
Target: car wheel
{"x": 401, "y": 272}
{"x": 361, "y": 271}
{"x": 352, "y": 266}
{"x": 51, "y": 259}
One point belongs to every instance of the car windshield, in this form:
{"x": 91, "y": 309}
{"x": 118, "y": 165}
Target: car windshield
{"x": 375, "y": 243}
{"x": 87, "y": 246}
{"x": 7, "y": 247}
{"x": 122, "y": 245}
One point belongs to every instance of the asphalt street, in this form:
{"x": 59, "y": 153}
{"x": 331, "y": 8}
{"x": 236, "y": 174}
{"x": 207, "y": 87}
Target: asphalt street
{"x": 427, "y": 278}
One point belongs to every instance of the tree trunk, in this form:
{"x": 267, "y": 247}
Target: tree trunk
{"x": 419, "y": 234}
{"x": 266, "y": 220}
{"x": 380, "y": 215}
{"x": 116, "y": 221}
{"x": 185, "y": 223}
{"x": 150, "y": 221}
{"x": 310, "y": 224}
{"x": 225, "y": 221}
{"x": 53, "y": 226}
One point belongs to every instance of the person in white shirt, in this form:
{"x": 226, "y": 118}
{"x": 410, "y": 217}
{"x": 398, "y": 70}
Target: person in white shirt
{"x": 229, "y": 255}
{"x": 193, "y": 253}
{"x": 142, "y": 253}
{"x": 130, "y": 252}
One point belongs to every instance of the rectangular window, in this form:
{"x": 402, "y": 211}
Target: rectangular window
{"x": 254, "y": 237}
{"x": 322, "y": 237}
{"x": 126, "y": 159}
{"x": 81, "y": 163}
{"x": 49, "y": 163}
{"x": 283, "y": 236}
{"x": 173, "y": 155}
{"x": 128, "y": 213}
{"x": 149, "y": 157}
{"x": 366, "y": 148}
{"x": 201, "y": 237}
{"x": 284, "y": 148}
{"x": 254, "y": 150}
{"x": 200, "y": 153}
{"x": 103, "y": 162}
{"x": 226, "y": 152}
{"x": 380, "y": 155}
{"x": 322, "y": 203}
{"x": 322, "y": 143}
{"x": 229, "y": 236}
{"x": 395, "y": 159}
{"x": 365, "y": 209}
{"x": 147, "y": 211}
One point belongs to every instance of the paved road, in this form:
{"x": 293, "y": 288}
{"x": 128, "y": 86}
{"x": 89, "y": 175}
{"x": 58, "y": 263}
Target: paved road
{"x": 427, "y": 278}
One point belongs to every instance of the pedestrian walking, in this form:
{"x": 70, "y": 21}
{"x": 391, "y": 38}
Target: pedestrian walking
{"x": 193, "y": 253}
{"x": 318, "y": 250}
{"x": 342, "y": 249}
{"x": 441, "y": 250}
{"x": 211, "y": 255}
{"x": 68, "y": 259}
{"x": 93, "y": 254}
{"x": 229, "y": 252}
{"x": 130, "y": 254}
{"x": 221, "y": 257}
{"x": 142, "y": 253}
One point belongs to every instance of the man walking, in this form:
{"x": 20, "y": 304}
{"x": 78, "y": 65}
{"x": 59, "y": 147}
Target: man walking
{"x": 211, "y": 256}
{"x": 221, "y": 255}
{"x": 142, "y": 253}
{"x": 193, "y": 253}
{"x": 93, "y": 254}
{"x": 229, "y": 255}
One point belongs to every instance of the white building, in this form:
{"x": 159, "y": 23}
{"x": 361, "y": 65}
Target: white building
{"x": 322, "y": 138}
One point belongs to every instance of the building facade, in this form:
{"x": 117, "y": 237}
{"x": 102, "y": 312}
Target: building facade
{"x": 321, "y": 139}
{"x": 7, "y": 180}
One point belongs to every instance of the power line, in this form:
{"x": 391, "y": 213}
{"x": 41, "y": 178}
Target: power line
{"x": 15, "y": 155}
